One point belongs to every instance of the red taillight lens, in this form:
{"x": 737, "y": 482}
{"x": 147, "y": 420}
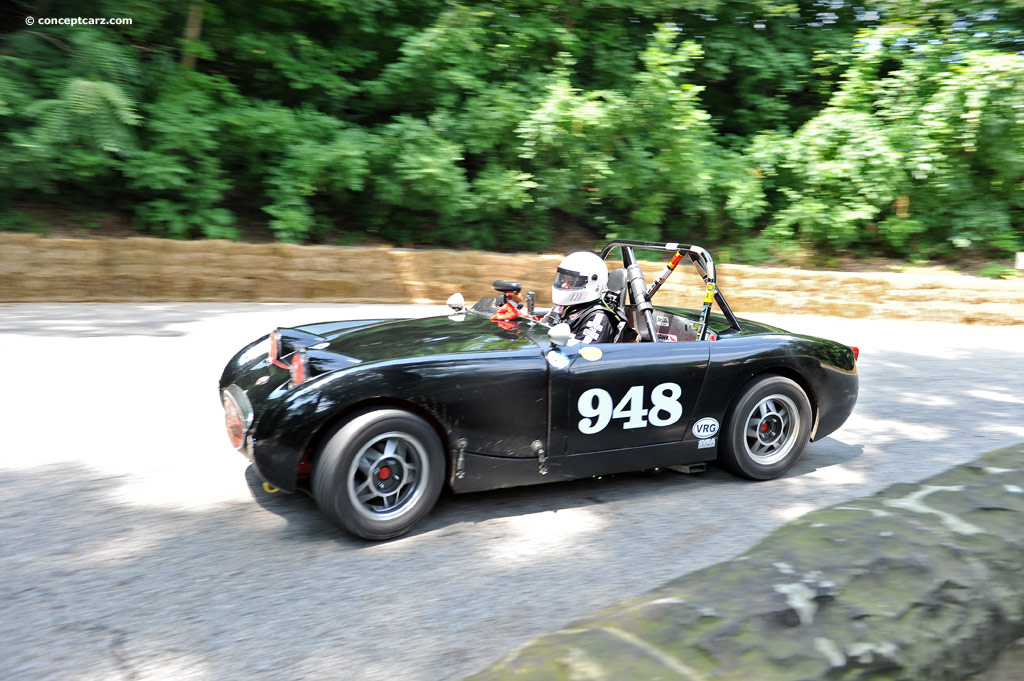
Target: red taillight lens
{"x": 298, "y": 368}
{"x": 856, "y": 353}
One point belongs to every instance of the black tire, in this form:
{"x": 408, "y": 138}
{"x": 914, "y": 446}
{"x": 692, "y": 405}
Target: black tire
{"x": 767, "y": 429}
{"x": 379, "y": 474}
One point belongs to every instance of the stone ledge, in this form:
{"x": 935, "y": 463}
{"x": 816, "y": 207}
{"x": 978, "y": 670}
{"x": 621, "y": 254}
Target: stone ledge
{"x": 917, "y": 582}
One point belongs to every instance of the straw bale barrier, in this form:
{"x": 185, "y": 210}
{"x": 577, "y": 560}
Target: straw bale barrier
{"x": 37, "y": 269}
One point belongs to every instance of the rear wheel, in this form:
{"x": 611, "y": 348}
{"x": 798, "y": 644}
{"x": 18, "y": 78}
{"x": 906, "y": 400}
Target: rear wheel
{"x": 767, "y": 430}
{"x": 379, "y": 474}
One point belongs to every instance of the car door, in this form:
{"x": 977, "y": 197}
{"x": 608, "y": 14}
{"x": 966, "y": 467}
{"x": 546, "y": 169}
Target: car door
{"x": 625, "y": 397}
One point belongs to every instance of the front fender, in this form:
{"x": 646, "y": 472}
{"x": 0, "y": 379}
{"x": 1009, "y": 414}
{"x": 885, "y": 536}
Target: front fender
{"x": 286, "y": 429}
{"x": 496, "y": 402}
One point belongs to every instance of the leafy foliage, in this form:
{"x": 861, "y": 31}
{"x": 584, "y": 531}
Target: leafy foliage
{"x": 920, "y": 149}
{"x": 890, "y": 126}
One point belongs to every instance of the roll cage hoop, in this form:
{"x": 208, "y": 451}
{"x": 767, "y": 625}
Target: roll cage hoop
{"x": 640, "y": 295}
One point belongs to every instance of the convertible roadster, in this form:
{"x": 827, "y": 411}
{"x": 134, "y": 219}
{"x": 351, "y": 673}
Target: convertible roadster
{"x": 373, "y": 417}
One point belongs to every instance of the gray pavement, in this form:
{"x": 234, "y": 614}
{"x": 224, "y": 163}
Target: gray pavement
{"x": 135, "y": 544}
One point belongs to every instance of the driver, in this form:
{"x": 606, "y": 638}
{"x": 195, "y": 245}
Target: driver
{"x": 577, "y": 296}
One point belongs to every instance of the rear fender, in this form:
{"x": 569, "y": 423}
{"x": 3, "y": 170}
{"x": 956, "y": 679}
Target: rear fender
{"x": 822, "y": 368}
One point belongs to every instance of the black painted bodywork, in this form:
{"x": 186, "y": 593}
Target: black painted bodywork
{"x": 507, "y": 415}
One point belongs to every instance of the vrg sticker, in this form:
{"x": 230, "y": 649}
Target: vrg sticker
{"x": 705, "y": 428}
{"x": 595, "y": 406}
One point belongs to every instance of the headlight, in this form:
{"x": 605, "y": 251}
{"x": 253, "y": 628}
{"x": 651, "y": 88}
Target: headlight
{"x": 237, "y": 414}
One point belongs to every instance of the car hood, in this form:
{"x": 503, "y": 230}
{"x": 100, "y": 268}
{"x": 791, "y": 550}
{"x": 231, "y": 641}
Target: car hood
{"x": 410, "y": 338}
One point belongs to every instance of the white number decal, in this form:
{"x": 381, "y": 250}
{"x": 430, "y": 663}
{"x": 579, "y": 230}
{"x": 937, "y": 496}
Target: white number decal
{"x": 666, "y": 400}
{"x": 595, "y": 406}
{"x": 632, "y": 408}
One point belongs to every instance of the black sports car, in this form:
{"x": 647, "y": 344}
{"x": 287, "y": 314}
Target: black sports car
{"x": 373, "y": 417}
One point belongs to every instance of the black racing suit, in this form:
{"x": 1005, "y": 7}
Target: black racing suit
{"x": 592, "y": 322}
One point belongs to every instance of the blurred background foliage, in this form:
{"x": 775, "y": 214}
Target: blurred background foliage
{"x": 876, "y": 127}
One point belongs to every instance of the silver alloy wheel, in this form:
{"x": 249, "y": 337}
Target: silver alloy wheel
{"x": 387, "y": 477}
{"x": 771, "y": 429}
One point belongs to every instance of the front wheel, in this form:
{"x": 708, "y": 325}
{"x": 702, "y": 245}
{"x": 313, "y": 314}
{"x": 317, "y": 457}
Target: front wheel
{"x": 767, "y": 430}
{"x": 379, "y": 474}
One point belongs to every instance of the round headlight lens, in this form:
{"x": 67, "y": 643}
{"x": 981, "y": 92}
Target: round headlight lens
{"x": 233, "y": 420}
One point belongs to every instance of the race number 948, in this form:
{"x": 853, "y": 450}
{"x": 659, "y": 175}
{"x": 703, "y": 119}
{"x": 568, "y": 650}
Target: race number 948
{"x": 595, "y": 406}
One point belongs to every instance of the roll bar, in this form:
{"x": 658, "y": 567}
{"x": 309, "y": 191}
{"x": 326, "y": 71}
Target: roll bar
{"x": 641, "y": 298}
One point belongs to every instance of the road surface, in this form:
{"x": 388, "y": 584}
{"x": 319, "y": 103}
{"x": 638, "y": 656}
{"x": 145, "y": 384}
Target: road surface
{"x": 135, "y": 543}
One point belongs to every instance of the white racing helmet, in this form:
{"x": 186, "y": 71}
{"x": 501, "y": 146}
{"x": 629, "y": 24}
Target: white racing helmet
{"x": 581, "y": 278}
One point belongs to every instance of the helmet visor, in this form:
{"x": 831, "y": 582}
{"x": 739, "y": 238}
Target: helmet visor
{"x": 567, "y": 280}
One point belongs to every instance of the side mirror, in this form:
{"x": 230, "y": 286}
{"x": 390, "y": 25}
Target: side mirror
{"x": 456, "y": 301}
{"x": 560, "y": 334}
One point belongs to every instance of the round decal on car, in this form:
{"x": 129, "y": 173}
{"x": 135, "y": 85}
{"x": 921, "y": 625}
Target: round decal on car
{"x": 706, "y": 427}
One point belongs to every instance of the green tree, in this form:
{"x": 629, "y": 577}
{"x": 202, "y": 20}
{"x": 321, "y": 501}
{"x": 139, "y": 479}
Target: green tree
{"x": 920, "y": 150}
{"x": 888, "y": 125}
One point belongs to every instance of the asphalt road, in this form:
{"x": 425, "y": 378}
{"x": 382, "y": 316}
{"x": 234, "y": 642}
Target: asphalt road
{"x": 135, "y": 544}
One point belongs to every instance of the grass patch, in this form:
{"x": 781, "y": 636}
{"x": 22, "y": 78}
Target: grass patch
{"x": 998, "y": 272}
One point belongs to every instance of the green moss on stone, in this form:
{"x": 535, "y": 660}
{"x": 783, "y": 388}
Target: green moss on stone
{"x": 913, "y": 583}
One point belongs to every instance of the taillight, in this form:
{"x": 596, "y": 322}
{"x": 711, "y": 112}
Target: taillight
{"x": 298, "y": 368}
{"x": 856, "y": 352}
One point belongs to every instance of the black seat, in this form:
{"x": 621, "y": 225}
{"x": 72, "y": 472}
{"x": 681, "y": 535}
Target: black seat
{"x": 615, "y": 297}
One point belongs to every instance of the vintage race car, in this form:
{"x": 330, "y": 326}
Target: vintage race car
{"x": 373, "y": 417}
